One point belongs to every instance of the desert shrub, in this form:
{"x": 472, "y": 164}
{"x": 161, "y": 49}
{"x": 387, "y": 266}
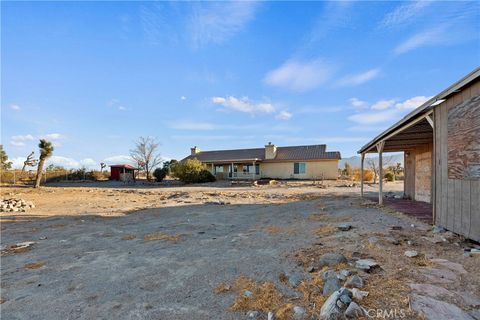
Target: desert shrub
{"x": 389, "y": 176}
{"x": 160, "y": 174}
{"x": 192, "y": 171}
{"x": 367, "y": 175}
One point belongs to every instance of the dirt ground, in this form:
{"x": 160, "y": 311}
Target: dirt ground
{"x": 108, "y": 251}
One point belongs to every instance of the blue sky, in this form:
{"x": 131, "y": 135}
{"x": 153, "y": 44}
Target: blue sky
{"x": 94, "y": 76}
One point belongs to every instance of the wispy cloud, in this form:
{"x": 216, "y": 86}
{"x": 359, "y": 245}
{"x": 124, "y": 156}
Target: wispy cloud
{"x": 116, "y": 104}
{"x": 357, "y": 103}
{"x": 424, "y": 38}
{"x": 15, "y": 107}
{"x": 318, "y": 110}
{"x": 385, "y": 111}
{"x": 359, "y": 78}
{"x": 19, "y": 141}
{"x": 404, "y": 13}
{"x": 215, "y": 22}
{"x": 183, "y": 98}
{"x": 243, "y": 105}
{"x": 299, "y": 75}
{"x": 283, "y": 115}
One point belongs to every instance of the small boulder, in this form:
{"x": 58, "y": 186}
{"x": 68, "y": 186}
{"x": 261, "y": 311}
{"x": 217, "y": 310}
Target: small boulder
{"x": 329, "y": 274}
{"x": 299, "y": 312}
{"x": 366, "y": 264}
{"x": 344, "y": 227}
{"x": 330, "y": 310}
{"x": 248, "y": 293}
{"x": 331, "y": 285}
{"x": 253, "y": 315}
{"x": 358, "y": 294}
{"x": 294, "y": 280}
{"x": 354, "y": 282}
{"x": 331, "y": 259}
{"x": 354, "y": 310}
{"x": 411, "y": 253}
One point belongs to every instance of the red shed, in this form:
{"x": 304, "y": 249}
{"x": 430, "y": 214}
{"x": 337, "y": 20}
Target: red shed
{"x": 122, "y": 172}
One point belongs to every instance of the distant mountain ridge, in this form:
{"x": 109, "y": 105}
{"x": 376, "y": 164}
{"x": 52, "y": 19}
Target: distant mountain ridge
{"x": 355, "y": 160}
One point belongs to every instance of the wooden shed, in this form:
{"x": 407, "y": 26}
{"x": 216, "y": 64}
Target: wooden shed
{"x": 122, "y": 172}
{"x": 441, "y": 143}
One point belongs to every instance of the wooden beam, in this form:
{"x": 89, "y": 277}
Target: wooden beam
{"x": 362, "y": 173}
{"x": 380, "y": 146}
{"x": 430, "y": 121}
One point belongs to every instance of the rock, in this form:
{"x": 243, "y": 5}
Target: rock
{"x": 345, "y": 272}
{"x": 457, "y": 267}
{"x": 299, "y": 312}
{"x": 411, "y": 253}
{"x": 248, "y": 293}
{"x": 432, "y": 309}
{"x": 354, "y": 282}
{"x": 438, "y": 229}
{"x": 331, "y": 285}
{"x": 344, "y": 227}
{"x": 253, "y": 315}
{"x": 441, "y": 276}
{"x": 331, "y": 259}
{"x": 354, "y": 311}
{"x": 359, "y": 294}
{"x": 330, "y": 310}
{"x": 340, "y": 304}
{"x": 366, "y": 264}
{"x": 311, "y": 269}
{"x": 270, "y": 316}
{"x": 329, "y": 274}
{"x": 430, "y": 290}
{"x": 294, "y": 280}
{"x": 345, "y": 298}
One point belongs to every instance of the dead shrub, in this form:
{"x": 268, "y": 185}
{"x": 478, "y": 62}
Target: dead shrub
{"x": 129, "y": 237}
{"x": 325, "y": 230}
{"x": 35, "y": 265}
{"x": 161, "y": 236}
{"x": 367, "y": 175}
{"x": 265, "y": 296}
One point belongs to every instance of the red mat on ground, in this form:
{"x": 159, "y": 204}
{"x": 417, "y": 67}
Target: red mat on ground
{"x": 421, "y": 210}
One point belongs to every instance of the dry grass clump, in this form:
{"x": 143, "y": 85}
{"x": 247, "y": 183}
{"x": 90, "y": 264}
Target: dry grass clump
{"x": 318, "y": 217}
{"x": 386, "y": 293}
{"x": 35, "y": 265}
{"x": 129, "y": 237}
{"x": 274, "y": 230}
{"x": 312, "y": 295}
{"x": 161, "y": 236}
{"x": 325, "y": 230}
{"x": 265, "y": 296}
{"x": 222, "y": 288}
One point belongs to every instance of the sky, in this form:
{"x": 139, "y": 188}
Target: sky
{"x": 92, "y": 77}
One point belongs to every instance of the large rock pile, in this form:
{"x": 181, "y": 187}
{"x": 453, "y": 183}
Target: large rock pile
{"x": 15, "y": 205}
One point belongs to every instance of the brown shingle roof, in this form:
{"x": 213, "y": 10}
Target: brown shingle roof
{"x": 311, "y": 152}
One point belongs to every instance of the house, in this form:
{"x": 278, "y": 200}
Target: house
{"x": 122, "y": 172}
{"x": 297, "y": 162}
{"x": 441, "y": 144}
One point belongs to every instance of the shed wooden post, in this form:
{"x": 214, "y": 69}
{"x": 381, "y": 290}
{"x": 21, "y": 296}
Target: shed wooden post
{"x": 361, "y": 173}
{"x": 380, "y": 146}
{"x": 254, "y": 170}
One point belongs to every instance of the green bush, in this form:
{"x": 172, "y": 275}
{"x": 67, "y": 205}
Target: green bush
{"x": 192, "y": 171}
{"x": 160, "y": 174}
{"x": 389, "y": 176}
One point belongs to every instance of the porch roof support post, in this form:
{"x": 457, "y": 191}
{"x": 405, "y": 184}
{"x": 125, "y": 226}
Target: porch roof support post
{"x": 380, "y": 146}
{"x": 254, "y": 170}
{"x": 362, "y": 173}
{"x": 232, "y": 170}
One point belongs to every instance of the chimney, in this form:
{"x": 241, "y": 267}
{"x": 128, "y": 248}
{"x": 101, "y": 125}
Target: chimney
{"x": 270, "y": 151}
{"x": 194, "y": 150}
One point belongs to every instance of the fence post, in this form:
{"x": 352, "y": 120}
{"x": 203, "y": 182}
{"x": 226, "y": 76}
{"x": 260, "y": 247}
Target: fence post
{"x": 14, "y": 181}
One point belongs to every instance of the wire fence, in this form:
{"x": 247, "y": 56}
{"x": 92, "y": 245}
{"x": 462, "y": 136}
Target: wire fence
{"x": 28, "y": 177}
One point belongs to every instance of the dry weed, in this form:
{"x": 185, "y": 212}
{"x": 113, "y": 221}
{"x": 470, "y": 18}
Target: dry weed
{"x": 274, "y": 230}
{"x": 129, "y": 237}
{"x": 222, "y": 288}
{"x": 161, "y": 236}
{"x": 35, "y": 265}
{"x": 265, "y": 296}
{"x": 325, "y": 230}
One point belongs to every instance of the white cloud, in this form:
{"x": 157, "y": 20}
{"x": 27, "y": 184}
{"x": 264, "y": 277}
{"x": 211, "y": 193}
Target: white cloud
{"x": 383, "y": 104}
{"x": 27, "y": 137}
{"x": 88, "y": 163}
{"x": 15, "y": 107}
{"x": 118, "y": 159}
{"x": 17, "y": 144}
{"x": 122, "y": 108}
{"x": 404, "y": 13}
{"x": 299, "y": 75}
{"x": 17, "y": 163}
{"x": 412, "y": 103}
{"x": 283, "y": 115}
{"x": 192, "y": 125}
{"x": 376, "y": 117}
{"x": 217, "y": 22}
{"x": 63, "y": 162}
{"x": 357, "y": 103}
{"x": 183, "y": 98}
{"x": 243, "y": 105}
{"x": 53, "y": 136}
{"x": 421, "y": 39}
{"x": 360, "y": 78}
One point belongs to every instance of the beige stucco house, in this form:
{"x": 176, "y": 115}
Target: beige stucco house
{"x": 296, "y": 162}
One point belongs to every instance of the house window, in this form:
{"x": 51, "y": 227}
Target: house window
{"x": 248, "y": 168}
{"x": 299, "y": 167}
{"x": 219, "y": 169}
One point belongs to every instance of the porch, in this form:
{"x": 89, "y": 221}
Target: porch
{"x": 235, "y": 170}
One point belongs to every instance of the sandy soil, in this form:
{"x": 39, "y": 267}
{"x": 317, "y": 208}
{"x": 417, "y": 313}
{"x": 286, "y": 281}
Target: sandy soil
{"x": 190, "y": 252}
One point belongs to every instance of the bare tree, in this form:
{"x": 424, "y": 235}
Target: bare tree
{"x": 146, "y": 155}
{"x": 372, "y": 164}
{"x": 29, "y": 162}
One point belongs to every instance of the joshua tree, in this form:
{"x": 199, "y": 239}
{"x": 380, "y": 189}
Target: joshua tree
{"x": 102, "y": 166}
{"x": 4, "y": 163}
{"x": 46, "y": 150}
{"x": 29, "y": 162}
